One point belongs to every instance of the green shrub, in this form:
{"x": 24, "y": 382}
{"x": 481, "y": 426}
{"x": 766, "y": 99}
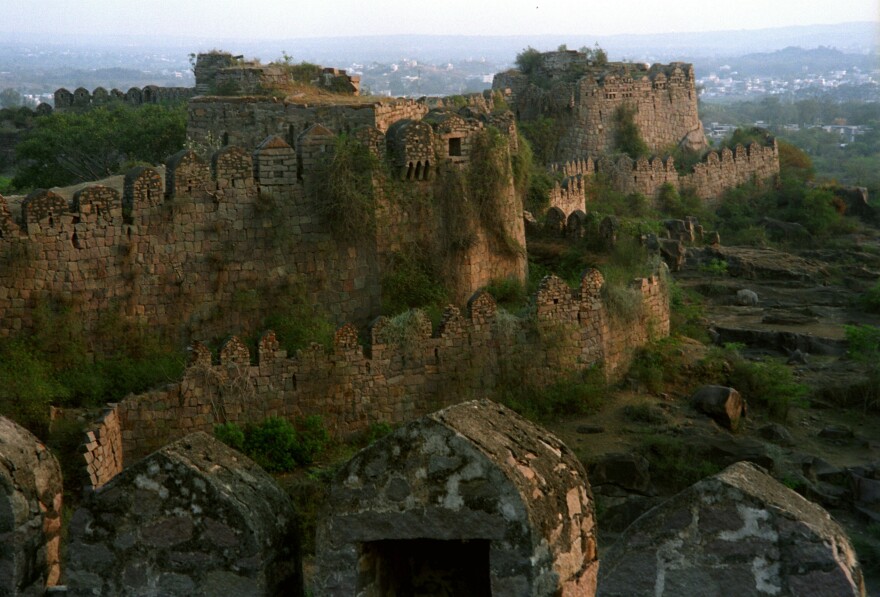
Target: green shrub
{"x": 343, "y": 190}
{"x": 312, "y": 439}
{"x": 27, "y": 386}
{"x": 870, "y": 300}
{"x": 768, "y": 383}
{"x": 271, "y": 444}
{"x": 230, "y": 434}
{"x": 377, "y": 431}
{"x": 715, "y": 267}
{"x": 528, "y": 61}
{"x": 673, "y": 464}
{"x": 627, "y": 137}
{"x": 509, "y": 293}
{"x": 411, "y": 281}
{"x": 581, "y": 393}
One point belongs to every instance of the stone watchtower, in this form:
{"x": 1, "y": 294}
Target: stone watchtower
{"x": 585, "y": 99}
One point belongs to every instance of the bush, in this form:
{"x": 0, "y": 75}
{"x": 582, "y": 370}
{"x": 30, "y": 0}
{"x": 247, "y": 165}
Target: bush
{"x": 230, "y": 434}
{"x": 581, "y": 393}
{"x": 276, "y": 444}
{"x": 673, "y": 463}
{"x": 627, "y": 137}
{"x": 410, "y": 282}
{"x": 528, "y": 61}
{"x": 509, "y": 293}
{"x": 343, "y": 190}
{"x": 768, "y": 383}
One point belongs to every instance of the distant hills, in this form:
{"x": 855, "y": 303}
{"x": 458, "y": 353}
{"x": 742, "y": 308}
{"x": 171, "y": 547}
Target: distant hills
{"x": 858, "y": 37}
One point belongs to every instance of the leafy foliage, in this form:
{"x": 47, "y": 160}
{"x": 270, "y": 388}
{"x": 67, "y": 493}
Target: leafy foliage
{"x": 411, "y": 280}
{"x": 276, "y": 444}
{"x": 581, "y": 393}
{"x": 627, "y": 137}
{"x": 343, "y": 188}
{"x": 528, "y": 61}
{"x": 68, "y": 147}
{"x": 53, "y": 364}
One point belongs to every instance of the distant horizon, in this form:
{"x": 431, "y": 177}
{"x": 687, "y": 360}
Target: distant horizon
{"x": 371, "y": 36}
{"x": 268, "y": 20}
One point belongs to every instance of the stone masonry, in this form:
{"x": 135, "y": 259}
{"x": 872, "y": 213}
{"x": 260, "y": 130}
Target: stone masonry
{"x": 397, "y": 378}
{"x": 740, "y": 532}
{"x": 195, "y": 518}
{"x": 472, "y": 499}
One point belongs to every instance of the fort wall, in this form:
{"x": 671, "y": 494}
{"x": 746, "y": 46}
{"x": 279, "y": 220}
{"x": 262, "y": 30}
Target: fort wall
{"x": 716, "y": 173}
{"x": 399, "y": 376}
{"x": 203, "y": 250}
{"x": 82, "y": 98}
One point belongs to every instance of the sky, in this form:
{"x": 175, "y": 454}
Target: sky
{"x": 287, "y": 19}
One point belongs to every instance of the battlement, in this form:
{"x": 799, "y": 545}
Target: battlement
{"x": 709, "y": 179}
{"x": 404, "y": 372}
{"x": 81, "y": 98}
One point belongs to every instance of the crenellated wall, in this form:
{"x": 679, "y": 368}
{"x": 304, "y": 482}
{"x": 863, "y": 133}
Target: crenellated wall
{"x": 403, "y": 373}
{"x": 81, "y": 98}
{"x": 708, "y": 179}
{"x": 204, "y": 250}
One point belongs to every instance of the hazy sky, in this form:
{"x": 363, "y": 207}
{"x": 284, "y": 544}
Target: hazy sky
{"x": 271, "y": 19}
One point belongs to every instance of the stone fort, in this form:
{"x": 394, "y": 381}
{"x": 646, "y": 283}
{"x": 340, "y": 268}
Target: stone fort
{"x": 204, "y": 249}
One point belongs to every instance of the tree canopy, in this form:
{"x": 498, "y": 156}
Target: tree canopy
{"x": 69, "y": 147}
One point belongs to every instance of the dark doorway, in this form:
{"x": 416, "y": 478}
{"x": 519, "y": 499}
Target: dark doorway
{"x": 425, "y": 567}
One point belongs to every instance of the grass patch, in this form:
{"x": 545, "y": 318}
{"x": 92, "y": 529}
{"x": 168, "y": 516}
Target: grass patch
{"x": 581, "y": 393}
{"x": 673, "y": 463}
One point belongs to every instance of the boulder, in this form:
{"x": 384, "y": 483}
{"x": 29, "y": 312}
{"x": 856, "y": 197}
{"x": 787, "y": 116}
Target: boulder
{"x": 673, "y": 253}
{"x": 30, "y": 512}
{"x": 739, "y": 532}
{"x": 725, "y": 405}
{"x": 777, "y": 434}
{"x": 746, "y": 298}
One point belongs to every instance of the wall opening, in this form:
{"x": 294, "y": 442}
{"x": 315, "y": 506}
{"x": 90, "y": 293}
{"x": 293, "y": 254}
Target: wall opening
{"x": 418, "y": 171}
{"x": 225, "y": 139}
{"x": 425, "y": 567}
{"x": 454, "y": 146}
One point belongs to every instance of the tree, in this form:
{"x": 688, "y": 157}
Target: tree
{"x": 528, "y": 60}
{"x": 10, "y": 98}
{"x": 69, "y": 147}
{"x": 627, "y": 136}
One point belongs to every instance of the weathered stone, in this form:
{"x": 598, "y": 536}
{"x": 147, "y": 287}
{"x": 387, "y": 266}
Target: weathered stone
{"x": 30, "y": 512}
{"x": 724, "y": 405}
{"x": 218, "y": 525}
{"x": 747, "y": 298}
{"x": 509, "y": 510}
{"x": 777, "y": 434}
{"x": 745, "y": 534}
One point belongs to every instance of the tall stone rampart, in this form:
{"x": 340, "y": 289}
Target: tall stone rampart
{"x": 204, "y": 250}
{"x": 404, "y": 372}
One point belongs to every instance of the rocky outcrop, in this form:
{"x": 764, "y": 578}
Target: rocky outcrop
{"x": 737, "y": 533}
{"x": 472, "y": 499}
{"x": 194, "y": 518}
{"x": 30, "y": 513}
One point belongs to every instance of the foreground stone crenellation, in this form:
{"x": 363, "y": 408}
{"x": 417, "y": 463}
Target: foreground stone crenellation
{"x": 740, "y": 532}
{"x": 472, "y": 499}
{"x": 30, "y": 513}
{"x": 194, "y": 518}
